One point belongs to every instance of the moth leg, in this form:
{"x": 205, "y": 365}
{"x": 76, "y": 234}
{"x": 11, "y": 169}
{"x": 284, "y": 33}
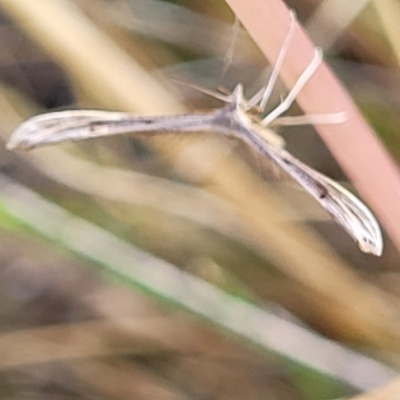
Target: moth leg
{"x": 311, "y": 119}
{"x": 298, "y": 86}
{"x": 264, "y": 94}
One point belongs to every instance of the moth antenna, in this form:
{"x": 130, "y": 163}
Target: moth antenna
{"x": 220, "y": 96}
{"x": 231, "y": 49}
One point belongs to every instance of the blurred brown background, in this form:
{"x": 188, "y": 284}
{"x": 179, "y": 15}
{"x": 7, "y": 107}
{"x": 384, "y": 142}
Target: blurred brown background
{"x": 86, "y": 317}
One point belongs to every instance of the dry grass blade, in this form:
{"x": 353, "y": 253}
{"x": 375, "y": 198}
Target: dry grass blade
{"x": 84, "y": 340}
{"x": 389, "y": 13}
{"x": 388, "y": 392}
{"x": 340, "y": 15}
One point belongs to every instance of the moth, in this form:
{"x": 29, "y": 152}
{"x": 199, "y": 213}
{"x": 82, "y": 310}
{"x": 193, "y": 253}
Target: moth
{"x": 240, "y": 118}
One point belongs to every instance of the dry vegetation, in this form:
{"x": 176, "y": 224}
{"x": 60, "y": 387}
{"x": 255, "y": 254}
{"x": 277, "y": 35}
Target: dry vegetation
{"x": 174, "y": 266}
